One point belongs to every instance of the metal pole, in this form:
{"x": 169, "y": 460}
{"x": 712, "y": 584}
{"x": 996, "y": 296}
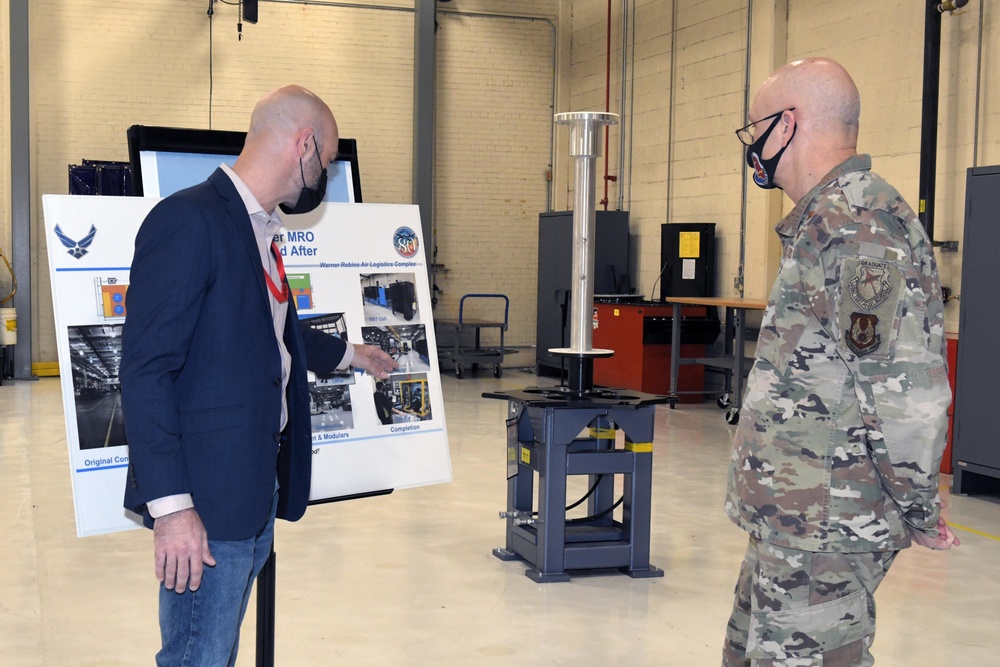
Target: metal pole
{"x": 266, "y": 600}
{"x": 423, "y": 121}
{"x": 20, "y": 184}
{"x": 585, "y": 147}
{"x": 929, "y": 115}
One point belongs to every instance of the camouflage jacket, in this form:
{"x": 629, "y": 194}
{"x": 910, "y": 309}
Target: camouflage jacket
{"x": 844, "y": 419}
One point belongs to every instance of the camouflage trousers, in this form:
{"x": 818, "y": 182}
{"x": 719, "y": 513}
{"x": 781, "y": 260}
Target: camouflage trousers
{"x": 804, "y": 609}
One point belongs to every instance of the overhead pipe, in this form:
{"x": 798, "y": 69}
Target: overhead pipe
{"x": 740, "y": 279}
{"x": 979, "y": 82}
{"x": 929, "y": 115}
{"x": 670, "y": 117}
{"x": 621, "y": 113}
{"x": 607, "y": 109}
{"x": 631, "y": 108}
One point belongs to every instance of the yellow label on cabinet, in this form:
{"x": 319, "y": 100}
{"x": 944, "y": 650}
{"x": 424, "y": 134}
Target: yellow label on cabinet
{"x": 690, "y": 244}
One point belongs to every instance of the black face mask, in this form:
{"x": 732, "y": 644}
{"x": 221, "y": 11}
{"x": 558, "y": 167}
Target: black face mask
{"x": 764, "y": 170}
{"x": 309, "y": 198}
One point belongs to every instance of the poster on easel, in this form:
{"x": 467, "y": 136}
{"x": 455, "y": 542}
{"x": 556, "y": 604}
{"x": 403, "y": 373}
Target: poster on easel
{"x": 354, "y": 270}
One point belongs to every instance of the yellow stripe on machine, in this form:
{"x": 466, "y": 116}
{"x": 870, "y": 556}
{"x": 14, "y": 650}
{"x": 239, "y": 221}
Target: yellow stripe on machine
{"x": 639, "y": 447}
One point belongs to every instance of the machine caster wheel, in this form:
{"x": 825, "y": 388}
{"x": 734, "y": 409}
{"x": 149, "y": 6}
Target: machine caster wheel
{"x": 459, "y": 371}
{"x": 722, "y": 401}
{"x": 733, "y": 416}
{"x": 497, "y": 371}
{"x": 672, "y": 402}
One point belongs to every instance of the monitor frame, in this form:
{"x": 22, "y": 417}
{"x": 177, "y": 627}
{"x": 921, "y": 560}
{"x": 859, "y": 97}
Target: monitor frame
{"x": 212, "y": 142}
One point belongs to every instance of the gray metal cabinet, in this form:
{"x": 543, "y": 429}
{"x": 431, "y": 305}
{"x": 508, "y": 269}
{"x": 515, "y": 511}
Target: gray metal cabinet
{"x": 555, "y": 265}
{"x": 976, "y": 444}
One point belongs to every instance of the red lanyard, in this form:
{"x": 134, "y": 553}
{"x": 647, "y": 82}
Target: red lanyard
{"x": 280, "y": 295}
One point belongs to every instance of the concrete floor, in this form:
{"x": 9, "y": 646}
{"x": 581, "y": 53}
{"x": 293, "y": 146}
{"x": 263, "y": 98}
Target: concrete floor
{"x": 409, "y": 579}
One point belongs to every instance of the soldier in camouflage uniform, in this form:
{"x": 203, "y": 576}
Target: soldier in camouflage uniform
{"x": 843, "y": 425}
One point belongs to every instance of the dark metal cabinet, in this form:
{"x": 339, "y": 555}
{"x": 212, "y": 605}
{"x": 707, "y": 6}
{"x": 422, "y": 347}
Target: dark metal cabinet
{"x": 555, "y": 265}
{"x": 976, "y": 446}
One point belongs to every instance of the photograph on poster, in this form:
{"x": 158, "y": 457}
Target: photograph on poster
{"x": 330, "y": 405}
{"x": 389, "y": 298}
{"x": 96, "y": 352}
{"x": 111, "y": 298}
{"x": 406, "y": 343}
{"x": 336, "y": 325}
{"x": 408, "y": 398}
{"x": 301, "y": 288}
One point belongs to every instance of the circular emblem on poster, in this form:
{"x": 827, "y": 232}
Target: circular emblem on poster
{"x": 404, "y": 240}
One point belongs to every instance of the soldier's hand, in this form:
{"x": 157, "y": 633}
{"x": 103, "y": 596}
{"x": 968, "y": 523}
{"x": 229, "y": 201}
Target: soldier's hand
{"x": 373, "y": 360}
{"x": 945, "y": 539}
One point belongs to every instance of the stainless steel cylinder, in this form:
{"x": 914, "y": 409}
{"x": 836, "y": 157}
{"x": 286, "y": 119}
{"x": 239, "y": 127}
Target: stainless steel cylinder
{"x": 585, "y": 148}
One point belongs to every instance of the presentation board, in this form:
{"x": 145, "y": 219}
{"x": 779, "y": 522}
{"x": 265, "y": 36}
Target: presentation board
{"x": 354, "y": 270}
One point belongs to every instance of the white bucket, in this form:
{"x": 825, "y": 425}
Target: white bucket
{"x": 8, "y": 326}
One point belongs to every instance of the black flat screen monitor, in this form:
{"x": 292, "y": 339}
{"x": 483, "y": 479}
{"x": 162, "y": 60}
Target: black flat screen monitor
{"x": 167, "y": 159}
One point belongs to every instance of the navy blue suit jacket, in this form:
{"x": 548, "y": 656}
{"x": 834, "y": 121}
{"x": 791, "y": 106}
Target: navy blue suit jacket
{"x": 201, "y": 371}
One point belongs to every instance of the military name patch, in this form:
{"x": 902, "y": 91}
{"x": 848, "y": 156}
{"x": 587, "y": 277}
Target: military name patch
{"x": 863, "y": 336}
{"x": 870, "y": 286}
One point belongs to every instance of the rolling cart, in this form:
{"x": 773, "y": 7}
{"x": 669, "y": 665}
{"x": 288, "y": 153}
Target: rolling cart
{"x": 472, "y": 357}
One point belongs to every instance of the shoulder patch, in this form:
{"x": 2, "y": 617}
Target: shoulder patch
{"x": 871, "y": 290}
{"x": 869, "y": 285}
{"x": 862, "y": 336}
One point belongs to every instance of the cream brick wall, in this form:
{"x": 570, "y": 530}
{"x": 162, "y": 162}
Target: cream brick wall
{"x": 97, "y": 68}
{"x": 494, "y": 120}
{"x": 886, "y": 61}
{"x": 704, "y": 176}
{"x": 881, "y": 44}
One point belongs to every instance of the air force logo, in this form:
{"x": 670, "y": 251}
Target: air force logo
{"x": 77, "y": 248}
{"x": 870, "y": 284}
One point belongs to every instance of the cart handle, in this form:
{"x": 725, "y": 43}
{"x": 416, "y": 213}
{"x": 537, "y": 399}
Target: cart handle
{"x": 506, "y": 305}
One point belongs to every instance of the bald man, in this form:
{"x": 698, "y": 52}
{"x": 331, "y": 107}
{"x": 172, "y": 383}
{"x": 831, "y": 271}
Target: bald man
{"x": 836, "y": 456}
{"x": 214, "y": 376}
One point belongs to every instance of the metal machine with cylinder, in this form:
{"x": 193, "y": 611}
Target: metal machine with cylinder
{"x": 556, "y": 432}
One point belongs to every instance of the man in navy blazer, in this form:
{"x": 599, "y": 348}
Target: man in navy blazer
{"x": 213, "y": 375}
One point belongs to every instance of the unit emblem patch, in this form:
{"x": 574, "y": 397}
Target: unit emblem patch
{"x": 870, "y": 284}
{"x": 862, "y": 336}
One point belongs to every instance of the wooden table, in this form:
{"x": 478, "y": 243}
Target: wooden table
{"x": 732, "y": 361}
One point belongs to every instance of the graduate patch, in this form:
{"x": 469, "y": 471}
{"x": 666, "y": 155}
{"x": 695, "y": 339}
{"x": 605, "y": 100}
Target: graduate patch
{"x": 863, "y": 336}
{"x": 870, "y": 286}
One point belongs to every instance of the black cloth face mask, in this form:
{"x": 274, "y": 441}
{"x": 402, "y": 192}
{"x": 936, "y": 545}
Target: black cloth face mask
{"x": 764, "y": 170}
{"x": 309, "y": 198}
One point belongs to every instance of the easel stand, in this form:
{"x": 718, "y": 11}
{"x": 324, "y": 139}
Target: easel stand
{"x": 266, "y": 598}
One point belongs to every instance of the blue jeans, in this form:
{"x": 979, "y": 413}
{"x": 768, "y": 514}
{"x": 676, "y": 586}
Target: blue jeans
{"x": 202, "y": 628}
